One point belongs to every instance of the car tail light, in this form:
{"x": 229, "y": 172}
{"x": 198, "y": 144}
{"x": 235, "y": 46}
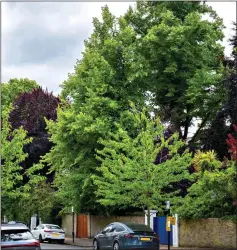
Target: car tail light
{"x": 128, "y": 236}
{"x": 35, "y": 244}
{"x": 32, "y": 244}
{"x": 47, "y": 231}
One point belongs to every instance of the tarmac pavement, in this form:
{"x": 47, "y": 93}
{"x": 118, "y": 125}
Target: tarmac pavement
{"x": 88, "y": 244}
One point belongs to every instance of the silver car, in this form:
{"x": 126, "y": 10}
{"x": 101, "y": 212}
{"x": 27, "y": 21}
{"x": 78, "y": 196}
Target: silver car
{"x": 18, "y": 236}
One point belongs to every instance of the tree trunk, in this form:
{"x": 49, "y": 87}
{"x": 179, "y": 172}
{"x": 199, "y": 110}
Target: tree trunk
{"x": 186, "y": 127}
{"x": 148, "y": 217}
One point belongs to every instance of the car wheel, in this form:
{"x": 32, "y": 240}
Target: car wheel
{"x": 116, "y": 246}
{"x": 96, "y": 245}
{"x": 40, "y": 238}
{"x": 61, "y": 241}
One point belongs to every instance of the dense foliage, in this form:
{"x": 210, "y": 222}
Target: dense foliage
{"x": 214, "y": 136}
{"x": 107, "y": 156}
{"x": 157, "y": 54}
{"x": 214, "y": 192}
{"x": 11, "y": 90}
{"x": 26, "y": 118}
{"x": 30, "y": 110}
{"x": 128, "y": 175}
{"x": 40, "y": 201}
{"x": 174, "y": 56}
{"x": 12, "y": 155}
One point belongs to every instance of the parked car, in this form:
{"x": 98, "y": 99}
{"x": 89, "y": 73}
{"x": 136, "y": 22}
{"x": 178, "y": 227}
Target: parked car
{"x": 126, "y": 236}
{"x": 17, "y": 222}
{"x": 18, "y": 236}
{"x": 49, "y": 232}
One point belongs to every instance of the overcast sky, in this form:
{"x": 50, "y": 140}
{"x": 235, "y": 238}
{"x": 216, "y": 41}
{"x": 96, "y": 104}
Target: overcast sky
{"x": 42, "y": 41}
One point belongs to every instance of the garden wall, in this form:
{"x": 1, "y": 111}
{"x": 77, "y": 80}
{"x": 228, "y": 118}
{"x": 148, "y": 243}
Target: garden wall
{"x": 212, "y": 232}
{"x": 98, "y": 223}
{"x": 67, "y": 224}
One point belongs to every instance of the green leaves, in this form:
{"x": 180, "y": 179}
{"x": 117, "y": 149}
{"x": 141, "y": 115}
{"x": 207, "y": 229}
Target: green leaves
{"x": 11, "y": 90}
{"x": 128, "y": 175}
{"x": 159, "y": 54}
{"x": 214, "y": 187}
{"x": 12, "y": 154}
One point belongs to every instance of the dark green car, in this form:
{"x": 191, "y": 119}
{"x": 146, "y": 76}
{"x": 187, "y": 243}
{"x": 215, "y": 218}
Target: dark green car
{"x": 126, "y": 236}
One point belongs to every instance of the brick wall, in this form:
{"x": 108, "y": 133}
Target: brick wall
{"x": 67, "y": 224}
{"x": 212, "y": 232}
{"x": 98, "y": 223}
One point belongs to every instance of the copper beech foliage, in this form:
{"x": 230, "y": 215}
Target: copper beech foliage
{"x": 31, "y": 109}
{"x": 232, "y": 143}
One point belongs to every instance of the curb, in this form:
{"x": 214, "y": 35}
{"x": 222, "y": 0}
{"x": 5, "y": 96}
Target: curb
{"x": 75, "y": 244}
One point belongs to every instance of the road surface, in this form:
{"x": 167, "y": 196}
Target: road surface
{"x": 46, "y": 246}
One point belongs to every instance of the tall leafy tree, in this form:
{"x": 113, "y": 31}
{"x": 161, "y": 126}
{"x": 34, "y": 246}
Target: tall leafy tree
{"x": 175, "y": 56}
{"x": 128, "y": 175}
{"x": 156, "y": 54}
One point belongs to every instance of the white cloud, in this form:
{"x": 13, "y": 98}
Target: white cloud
{"x": 31, "y": 32}
{"x": 227, "y": 11}
{"x": 49, "y": 36}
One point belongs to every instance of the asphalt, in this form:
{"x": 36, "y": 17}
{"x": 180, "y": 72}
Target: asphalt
{"x": 88, "y": 243}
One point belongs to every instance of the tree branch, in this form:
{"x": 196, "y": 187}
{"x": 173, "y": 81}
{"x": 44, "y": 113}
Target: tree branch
{"x": 200, "y": 127}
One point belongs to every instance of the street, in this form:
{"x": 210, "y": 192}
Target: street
{"x": 46, "y": 246}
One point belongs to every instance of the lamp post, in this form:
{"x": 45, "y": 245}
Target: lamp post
{"x": 168, "y": 222}
{"x": 73, "y": 225}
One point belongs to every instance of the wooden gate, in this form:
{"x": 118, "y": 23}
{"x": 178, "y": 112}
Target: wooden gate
{"x": 82, "y": 226}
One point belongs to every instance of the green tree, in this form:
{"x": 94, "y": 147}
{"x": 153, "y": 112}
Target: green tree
{"x": 155, "y": 54}
{"x": 175, "y": 56}
{"x": 39, "y": 200}
{"x": 213, "y": 193}
{"x": 128, "y": 175}
{"x": 11, "y": 90}
{"x": 12, "y": 155}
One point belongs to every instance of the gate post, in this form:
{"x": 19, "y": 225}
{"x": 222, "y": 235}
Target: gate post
{"x": 176, "y": 232}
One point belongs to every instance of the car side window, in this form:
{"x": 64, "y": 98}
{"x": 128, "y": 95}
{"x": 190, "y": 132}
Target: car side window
{"x": 113, "y": 227}
{"x": 119, "y": 228}
{"x": 107, "y": 229}
{"x": 42, "y": 227}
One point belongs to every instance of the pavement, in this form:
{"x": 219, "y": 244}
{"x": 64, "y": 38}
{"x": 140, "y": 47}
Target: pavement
{"x": 51, "y": 246}
{"x": 88, "y": 243}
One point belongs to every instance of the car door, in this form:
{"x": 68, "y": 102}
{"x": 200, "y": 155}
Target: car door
{"x": 110, "y": 236}
{"x": 102, "y": 237}
{"x": 36, "y": 232}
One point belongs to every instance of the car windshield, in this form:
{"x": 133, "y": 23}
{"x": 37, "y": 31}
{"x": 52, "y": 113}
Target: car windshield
{"x": 15, "y": 235}
{"x": 53, "y": 227}
{"x": 139, "y": 227}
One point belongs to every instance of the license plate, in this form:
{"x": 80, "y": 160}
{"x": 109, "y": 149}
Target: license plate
{"x": 55, "y": 234}
{"x": 145, "y": 239}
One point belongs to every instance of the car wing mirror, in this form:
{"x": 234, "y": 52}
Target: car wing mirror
{"x": 34, "y": 228}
